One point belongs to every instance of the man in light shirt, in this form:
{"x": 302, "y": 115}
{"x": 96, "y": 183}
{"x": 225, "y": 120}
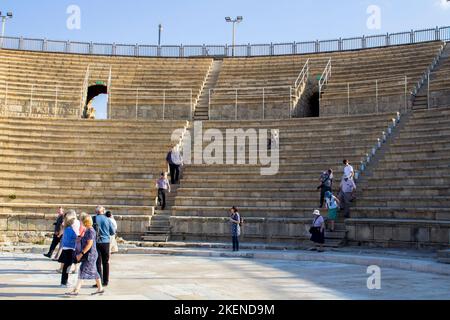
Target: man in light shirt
{"x": 175, "y": 161}
{"x": 349, "y": 172}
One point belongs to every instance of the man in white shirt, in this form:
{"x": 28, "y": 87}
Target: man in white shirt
{"x": 347, "y": 190}
{"x": 349, "y": 172}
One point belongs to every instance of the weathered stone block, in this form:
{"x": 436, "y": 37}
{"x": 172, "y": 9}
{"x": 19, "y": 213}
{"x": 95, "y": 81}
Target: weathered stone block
{"x": 364, "y": 233}
{"x": 402, "y": 234}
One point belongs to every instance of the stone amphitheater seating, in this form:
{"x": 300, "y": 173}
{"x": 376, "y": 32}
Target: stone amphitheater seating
{"x": 277, "y": 208}
{"x": 46, "y": 163}
{"x": 23, "y": 72}
{"x": 389, "y": 66}
{"x": 361, "y": 68}
{"x": 407, "y": 199}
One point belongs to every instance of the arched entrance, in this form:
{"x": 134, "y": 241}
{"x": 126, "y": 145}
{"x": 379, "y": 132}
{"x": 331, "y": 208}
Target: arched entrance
{"x": 96, "y": 102}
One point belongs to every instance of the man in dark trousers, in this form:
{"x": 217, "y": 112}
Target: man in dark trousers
{"x": 57, "y": 234}
{"x": 105, "y": 229}
{"x": 175, "y": 161}
{"x": 326, "y": 185}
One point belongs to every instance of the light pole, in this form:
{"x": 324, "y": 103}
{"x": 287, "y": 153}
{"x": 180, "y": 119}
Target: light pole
{"x": 160, "y": 29}
{"x": 9, "y": 15}
{"x": 234, "y": 21}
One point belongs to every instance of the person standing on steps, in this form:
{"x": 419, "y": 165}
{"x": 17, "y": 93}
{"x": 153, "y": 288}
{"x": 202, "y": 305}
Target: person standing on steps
{"x": 235, "y": 220}
{"x": 57, "y": 234}
{"x": 332, "y": 204}
{"x": 349, "y": 172}
{"x": 346, "y": 194}
{"x": 104, "y": 229}
{"x": 326, "y": 185}
{"x": 163, "y": 186}
{"x": 175, "y": 161}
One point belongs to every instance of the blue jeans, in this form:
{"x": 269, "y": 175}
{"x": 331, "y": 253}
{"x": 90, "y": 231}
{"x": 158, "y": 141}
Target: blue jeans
{"x": 235, "y": 243}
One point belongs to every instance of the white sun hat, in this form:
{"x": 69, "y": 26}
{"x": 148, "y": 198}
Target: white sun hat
{"x": 316, "y": 213}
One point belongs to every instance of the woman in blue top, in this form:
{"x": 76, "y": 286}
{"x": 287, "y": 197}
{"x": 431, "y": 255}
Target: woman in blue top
{"x": 235, "y": 221}
{"x": 68, "y": 244}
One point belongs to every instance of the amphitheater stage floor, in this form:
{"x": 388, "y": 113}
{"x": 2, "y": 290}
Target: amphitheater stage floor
{"x": 168, "y": 277}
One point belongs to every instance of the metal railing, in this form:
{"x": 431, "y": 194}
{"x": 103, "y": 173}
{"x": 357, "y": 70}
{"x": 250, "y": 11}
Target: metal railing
{"x": 261, "y": 98}
{"x": 323, "y": 81}
{"x": 367, "y": 96}
{"x": 37, "y": 99}
{"x": 84, "y": 89}
{"x": 53, "y": 100}
{"x": 155, "y": 104}
{"x": 354, "y": 43}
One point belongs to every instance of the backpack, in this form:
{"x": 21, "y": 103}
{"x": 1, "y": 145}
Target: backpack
{"x": 95, "y": 226}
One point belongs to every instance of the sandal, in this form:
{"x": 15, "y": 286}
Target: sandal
{"x": 98, "y": 293}
{"x": 72, "y": 294}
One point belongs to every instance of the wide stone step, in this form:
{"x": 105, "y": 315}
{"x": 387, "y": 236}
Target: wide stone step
{"x": 82, "y": 153}
{"x": 409, "y": 181}
{"x": 252, "y": 193}
{"x": 74, "y": 182}
{"x": 50, "y": 209}
{"x": 110, "y": 191}
{"x": 246, "y": 202}
{"x": 402, "y": 172}
{"x": 429, "y": 191}
{"x": 401, "y": 212}
{"x": 78, "y": 199}
{"x": 253, "y": 212}
{"x": 312, "y": 122}
{"x": 155, "y": 237}
{"x": 102, "y": 146}
{"x": 152, "y": 171}
{"x": 398, "y": 201}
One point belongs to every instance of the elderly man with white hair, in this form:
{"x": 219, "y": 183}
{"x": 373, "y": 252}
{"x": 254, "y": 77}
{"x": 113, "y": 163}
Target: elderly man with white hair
{"x": 105, "y": 229}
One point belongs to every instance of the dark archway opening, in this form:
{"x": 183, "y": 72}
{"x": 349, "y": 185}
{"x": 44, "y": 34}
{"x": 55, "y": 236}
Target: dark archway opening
{"x": 96, "y": 102}
{"x": 314, "y": 103}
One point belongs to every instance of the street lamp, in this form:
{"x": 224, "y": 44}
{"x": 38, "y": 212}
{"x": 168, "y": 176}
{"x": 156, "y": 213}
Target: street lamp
{"x": 9, "y": 15}
{"x": 160, "y": 29}
{"x": 234, "y": 21}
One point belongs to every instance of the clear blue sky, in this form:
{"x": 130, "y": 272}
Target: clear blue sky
{"x": 202, "y": 21}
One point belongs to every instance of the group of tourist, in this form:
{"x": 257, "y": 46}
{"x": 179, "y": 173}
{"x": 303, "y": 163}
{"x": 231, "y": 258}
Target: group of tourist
{"x": 333, "y": 203}
{"x": 85, "y": 242}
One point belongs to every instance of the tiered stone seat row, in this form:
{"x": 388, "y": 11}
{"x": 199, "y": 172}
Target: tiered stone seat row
{"x": 80, "y": 164}
{"x": 406, "y": 199}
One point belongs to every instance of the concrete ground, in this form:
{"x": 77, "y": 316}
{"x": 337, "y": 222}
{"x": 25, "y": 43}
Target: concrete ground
{"x": 167, "y": 277}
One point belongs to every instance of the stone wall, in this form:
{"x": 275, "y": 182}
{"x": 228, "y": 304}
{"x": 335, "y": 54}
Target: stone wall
{"x": 152, "y": 112}
{"x": 37, "y": 227}
{"x": 440, "y": 98}
{"x": 250, "y": 111}
{"x": 398, "y": 233}
{"x": 268, "y": 230}
{"x": 366, "y": 105}
{"x": 49, "y": 109}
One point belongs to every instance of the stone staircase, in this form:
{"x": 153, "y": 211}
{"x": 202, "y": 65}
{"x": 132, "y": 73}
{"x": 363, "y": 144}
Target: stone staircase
{"x": 201, "y": 111}
{"x": 159, "y": 229}
{"x": 277, "y": 209}
{"x": 421, "y": 100}
{"x": 405, "y": 199}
